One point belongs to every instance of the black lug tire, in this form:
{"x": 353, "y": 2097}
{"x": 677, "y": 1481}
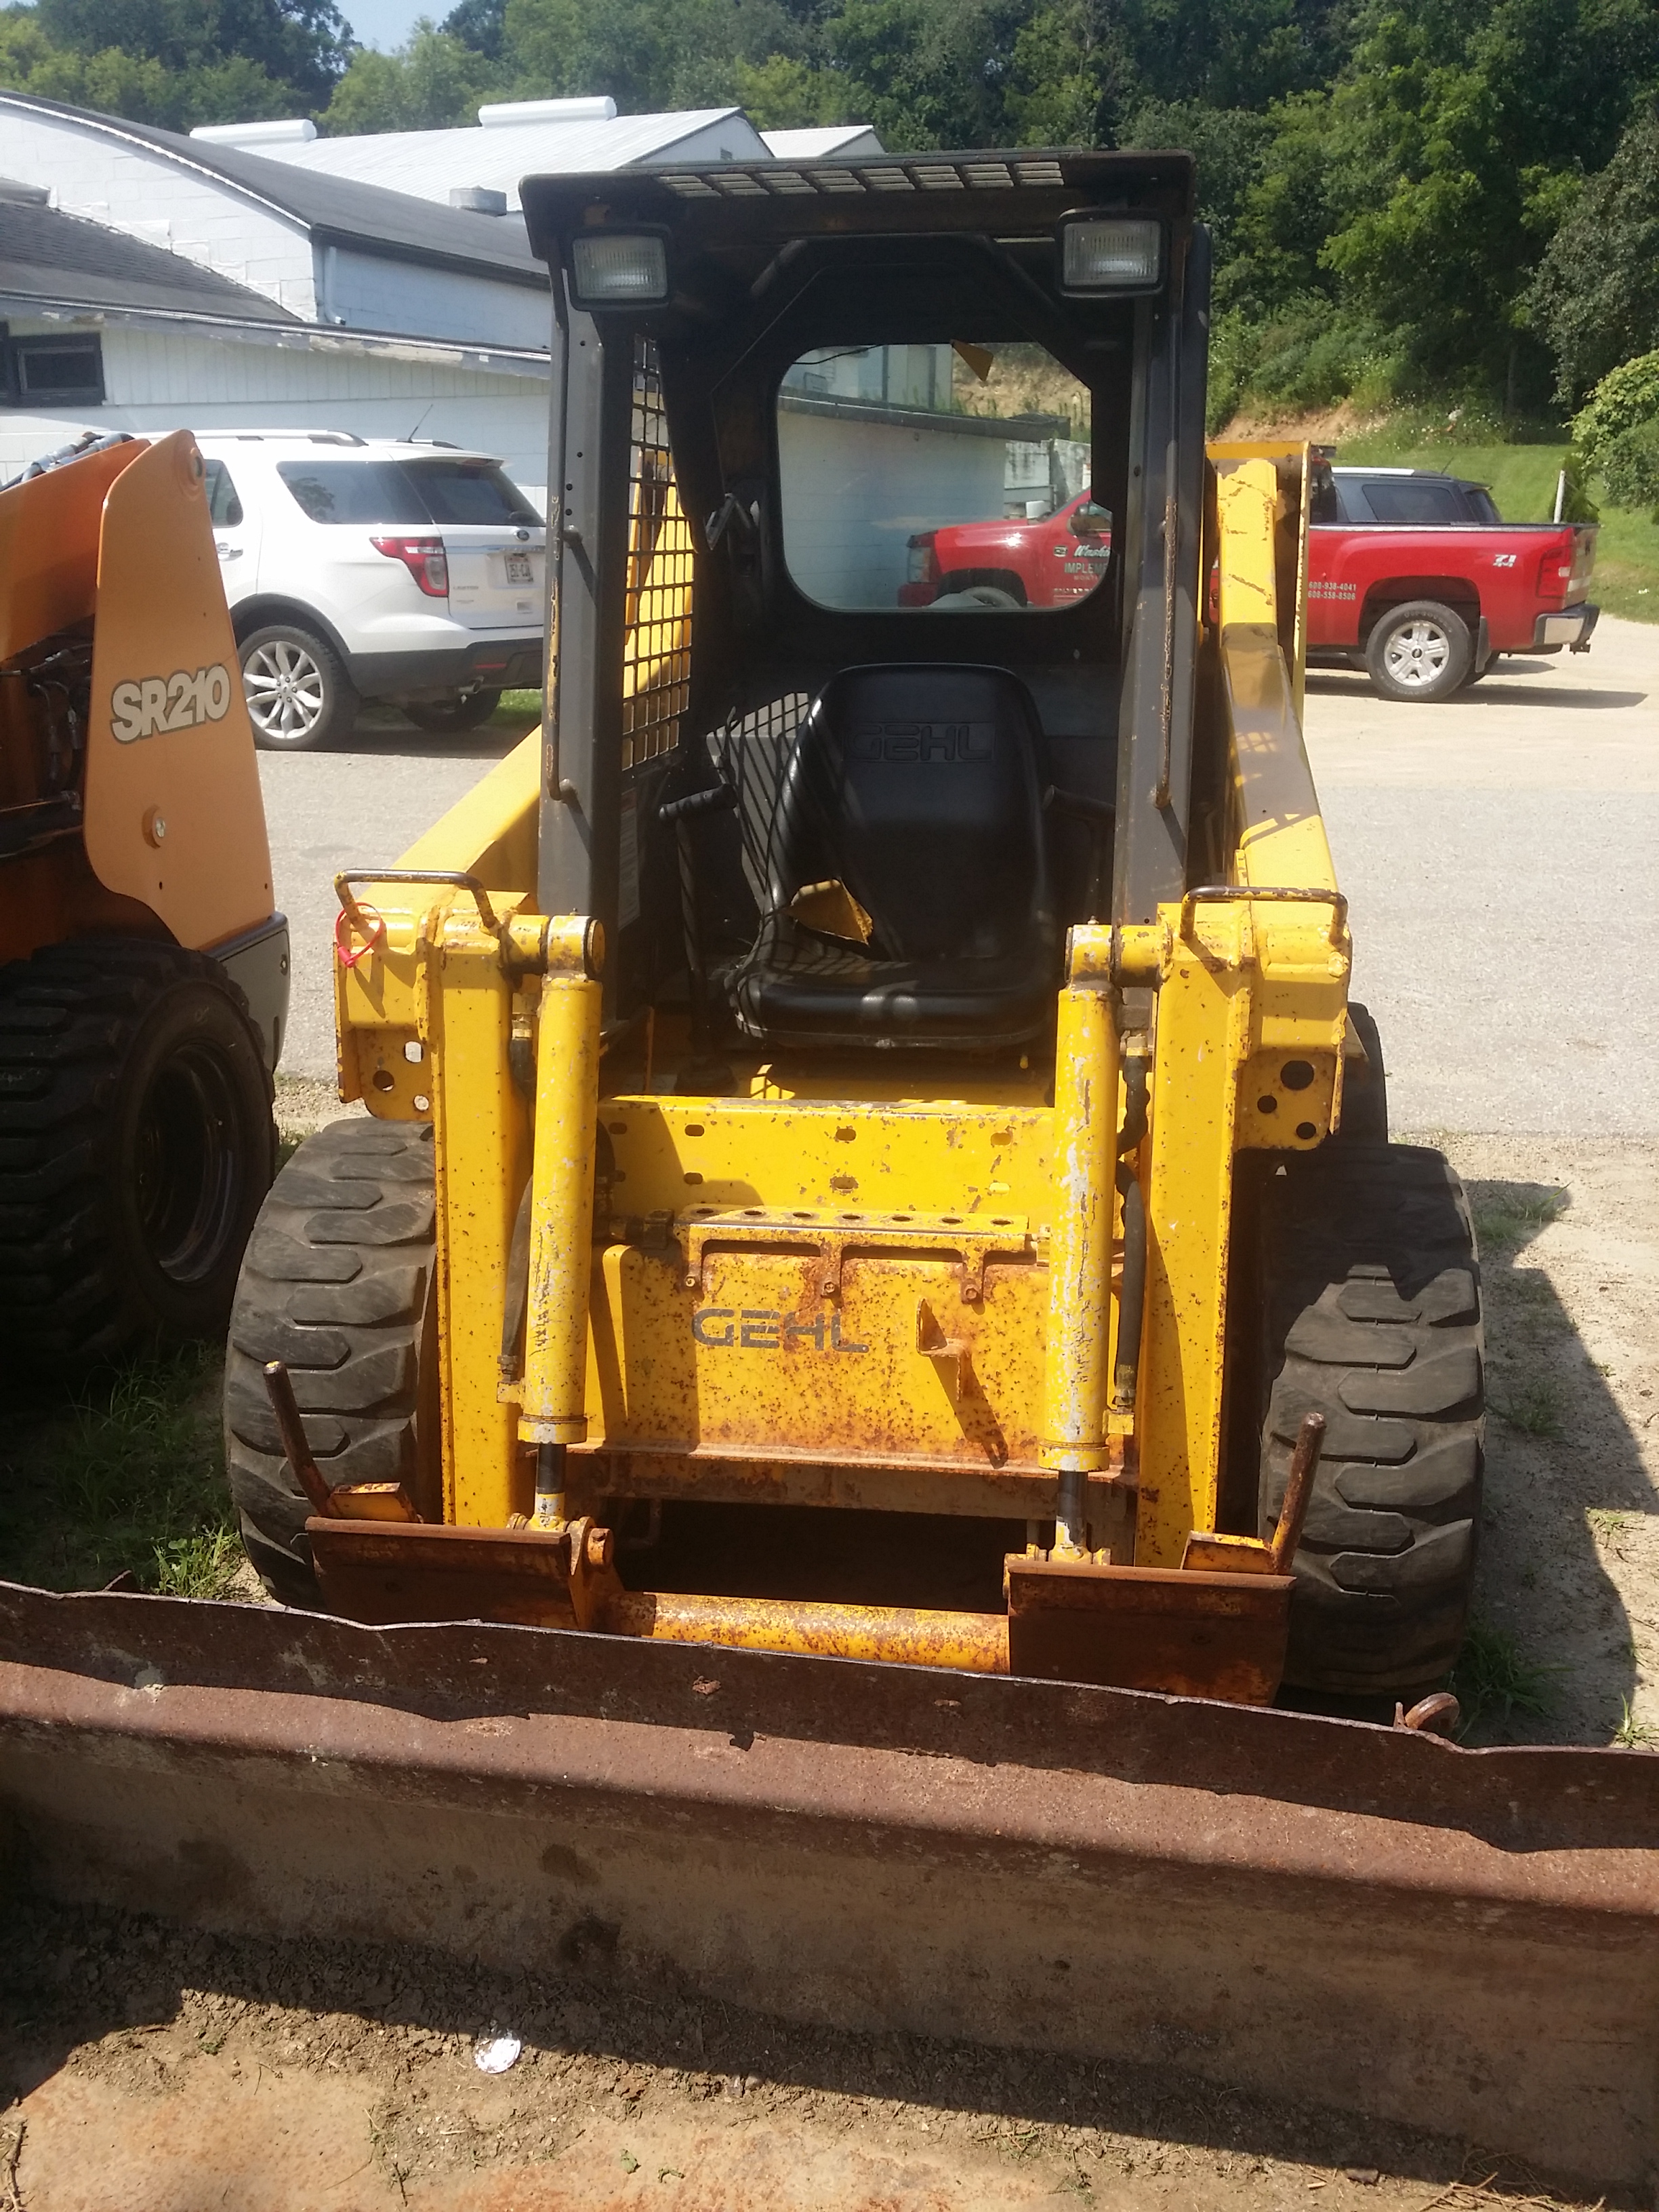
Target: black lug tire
{"x": 339, "y": 701}
{"x": 1453, "y": 672}
{"x": 1365, "y": 1086}
{"x": 136, "y": 1143}
{"x": 1369, "y": 1309}
{"x": 338, "y": 1282}
{"x": 448, "y": 717}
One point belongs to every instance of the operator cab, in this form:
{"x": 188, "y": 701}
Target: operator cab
{"x": 893, "y": 592}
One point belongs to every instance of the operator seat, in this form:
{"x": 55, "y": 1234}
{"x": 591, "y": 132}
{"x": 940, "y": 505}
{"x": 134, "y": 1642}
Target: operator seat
{"x": 921, "y": 789}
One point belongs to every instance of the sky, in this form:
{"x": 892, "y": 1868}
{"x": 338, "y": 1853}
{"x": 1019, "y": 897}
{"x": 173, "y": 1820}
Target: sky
{"x": 387, "y": 23}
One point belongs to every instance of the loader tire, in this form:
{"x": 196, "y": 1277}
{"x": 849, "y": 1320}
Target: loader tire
{"x": 136, "y": 1144}
{"x": 1365, "y": 1086}
{"x": 338, "y": 1282}
{"x": 1370, "y": 1315}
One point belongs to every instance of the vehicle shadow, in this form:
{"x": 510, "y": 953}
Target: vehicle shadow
{"x": 1565, "y": 1482}
{"x": 1510, "y": 688}
{"x": 387, "y": 734}
{"x": 154, "y": 2010}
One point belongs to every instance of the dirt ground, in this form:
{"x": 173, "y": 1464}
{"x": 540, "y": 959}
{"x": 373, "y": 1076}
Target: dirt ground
{"x": 156, "y": 2074}
{"x": 149, "y": 2072}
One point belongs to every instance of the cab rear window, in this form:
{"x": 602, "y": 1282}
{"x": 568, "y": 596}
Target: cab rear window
{"x": 409, "y": 493}
{"x": 1406, "y": 501}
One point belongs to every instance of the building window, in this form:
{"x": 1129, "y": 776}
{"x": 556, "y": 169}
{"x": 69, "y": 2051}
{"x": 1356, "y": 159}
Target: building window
{"x": 53, "y": 371}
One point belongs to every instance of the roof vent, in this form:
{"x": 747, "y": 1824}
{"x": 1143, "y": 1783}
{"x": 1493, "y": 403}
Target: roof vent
{"x": 477, "y": 199}
{"x": 284, "y": 130}
{"x": 600, "y": 110}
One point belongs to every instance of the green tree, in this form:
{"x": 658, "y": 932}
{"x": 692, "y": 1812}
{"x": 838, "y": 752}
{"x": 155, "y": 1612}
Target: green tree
{"x": 930, "y": 72}
{"x": 646, "y": 54}
{"x": 302, "y": 44}
{"x": 1452, "y": 146}
{"x": 480, "y": 24}
{"x": 432, "y": 81}
{"x": 1595, "y": 297}
{"x": 785, "y": 93}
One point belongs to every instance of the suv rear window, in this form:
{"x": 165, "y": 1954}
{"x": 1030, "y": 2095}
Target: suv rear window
{"x": 402, "y": 494}
{"x": 469, "y": 491}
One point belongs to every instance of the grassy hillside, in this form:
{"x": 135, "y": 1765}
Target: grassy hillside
{"x": 1522, "y": 480}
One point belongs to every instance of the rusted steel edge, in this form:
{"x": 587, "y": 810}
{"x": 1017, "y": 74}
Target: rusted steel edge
{"x": 866, "y": 1796}
{"x": 1144, "y": 1776}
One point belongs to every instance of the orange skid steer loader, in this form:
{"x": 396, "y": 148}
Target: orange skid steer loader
{"x": 872, "y": 1348}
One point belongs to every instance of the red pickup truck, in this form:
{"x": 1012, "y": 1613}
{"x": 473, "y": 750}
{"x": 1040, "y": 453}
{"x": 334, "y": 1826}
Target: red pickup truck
{"x": 1412, "y": 575}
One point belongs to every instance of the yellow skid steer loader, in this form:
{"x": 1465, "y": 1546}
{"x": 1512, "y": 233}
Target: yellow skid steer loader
{"x": 873, "y": 1328}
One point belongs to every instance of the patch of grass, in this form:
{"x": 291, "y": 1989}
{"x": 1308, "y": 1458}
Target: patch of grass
{"x": 517, "y": 709}
{"x": 1631, "y": 1733}
{"x": 1492, "y": 1682}
{"x": 1535, "y": 1411}
{"x": 1513, "y": 1213}
{"x": 125, "y": 1477}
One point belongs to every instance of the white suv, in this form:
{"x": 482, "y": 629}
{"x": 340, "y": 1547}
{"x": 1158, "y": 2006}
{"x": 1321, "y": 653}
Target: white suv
{"x": 378, "y": 568}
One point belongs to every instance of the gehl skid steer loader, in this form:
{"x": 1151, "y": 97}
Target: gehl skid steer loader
{"x": 872, "y": 1327}
{"x": 885, "y": 1092}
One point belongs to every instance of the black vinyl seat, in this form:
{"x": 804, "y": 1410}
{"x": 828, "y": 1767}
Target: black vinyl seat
{"x": 921, "y": 789}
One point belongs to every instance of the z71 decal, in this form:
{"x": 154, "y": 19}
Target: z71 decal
{"x": 155, "y": 704}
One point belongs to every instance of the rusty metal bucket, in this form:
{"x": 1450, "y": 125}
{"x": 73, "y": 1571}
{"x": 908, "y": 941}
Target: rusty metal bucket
{"x": 1469, "y": 1941}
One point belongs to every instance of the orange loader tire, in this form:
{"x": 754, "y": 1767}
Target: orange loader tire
{"x": 338, "y": 1282}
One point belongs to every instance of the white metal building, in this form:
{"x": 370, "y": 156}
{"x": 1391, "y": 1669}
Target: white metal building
{"x": 380, "y": 284}
{"x": 479, "y": 166}
{"x": 327, "y": 303}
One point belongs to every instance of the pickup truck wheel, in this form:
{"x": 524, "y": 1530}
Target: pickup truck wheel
{"x": 299, "y": 696}
{"x": 1421, "y": 650}
{"x": 1369, "y": 1305}
{"x": 338, "y": 1282}
{"x": 442, "y": 717}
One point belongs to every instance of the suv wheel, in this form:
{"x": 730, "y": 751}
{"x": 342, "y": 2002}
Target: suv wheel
{"x": 460, "y": 711}
{"x": 299, "y": 695}
{"x": 1421, "y": 650}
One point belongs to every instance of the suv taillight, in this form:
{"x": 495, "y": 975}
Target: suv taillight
{"x": 423, "y": 557}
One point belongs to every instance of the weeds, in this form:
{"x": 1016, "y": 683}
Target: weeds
{"x": 1516, "y": 1212}
{"x": 125, "y": 1477}
{"x": 1492, "y": 1682}
{"x": 1607, "y": 1526}
{"x": 1535, "y": 1411}
{"x": 1631, "y": 1733}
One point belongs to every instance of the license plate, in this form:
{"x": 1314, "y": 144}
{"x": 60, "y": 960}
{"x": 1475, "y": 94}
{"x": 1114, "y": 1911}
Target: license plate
{"x": 518, "y": 570}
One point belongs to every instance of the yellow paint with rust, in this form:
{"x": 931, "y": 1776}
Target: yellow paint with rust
{"x": 831, "y": 1268}
{"x": 755, "y": 1355}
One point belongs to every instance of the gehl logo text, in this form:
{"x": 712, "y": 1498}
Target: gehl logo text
{"x": 757, "y": 1328}
{"x": 939, "y": 744}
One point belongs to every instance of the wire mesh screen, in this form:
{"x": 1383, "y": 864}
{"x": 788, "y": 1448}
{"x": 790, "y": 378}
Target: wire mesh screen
{"x": 657, "y": 647}
{"x": 750, "y": 753}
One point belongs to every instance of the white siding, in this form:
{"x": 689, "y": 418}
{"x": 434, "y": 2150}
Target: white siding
{"x": 133, "y": 187}
{"x": 853, "y": 492}
{"x": 372, "y": 292}
{"x": 157, "y": 381}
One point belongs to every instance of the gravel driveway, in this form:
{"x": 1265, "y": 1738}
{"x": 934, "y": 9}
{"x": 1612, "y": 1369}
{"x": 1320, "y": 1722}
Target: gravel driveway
{"x": 1499, "y": 852}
